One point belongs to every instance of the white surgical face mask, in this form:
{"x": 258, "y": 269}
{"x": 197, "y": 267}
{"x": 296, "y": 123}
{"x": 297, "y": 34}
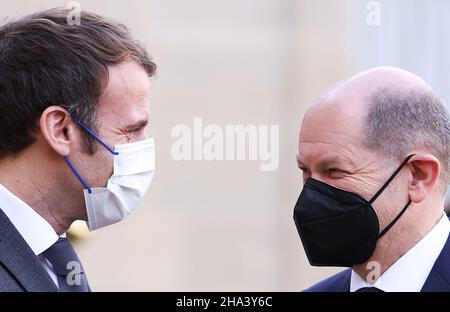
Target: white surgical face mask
{"x": 134, "y": 168}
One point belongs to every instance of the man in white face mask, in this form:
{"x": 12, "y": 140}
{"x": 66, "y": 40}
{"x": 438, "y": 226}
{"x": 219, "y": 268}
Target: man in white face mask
{"x": 133, "y": 170}
{"x": 73, "y": 141}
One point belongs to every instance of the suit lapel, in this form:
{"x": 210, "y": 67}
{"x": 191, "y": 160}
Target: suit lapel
{"x": 344, "y": 286}
{"x": 439, "y": 278}
{"x": 18, "y": 258}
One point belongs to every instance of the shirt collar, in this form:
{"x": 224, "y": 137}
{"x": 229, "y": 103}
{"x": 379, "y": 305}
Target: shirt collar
{"x": 34, "y": 229}
{"x": 410, "y": 272}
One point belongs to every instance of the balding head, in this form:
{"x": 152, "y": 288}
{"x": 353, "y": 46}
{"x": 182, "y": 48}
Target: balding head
{"x": 393, "y": 112}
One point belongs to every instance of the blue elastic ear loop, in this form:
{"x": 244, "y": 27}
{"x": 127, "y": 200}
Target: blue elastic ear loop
{"x": 98, "y": 139}
{"x": 78, "y": 175}
{"x": 93, "y": 134}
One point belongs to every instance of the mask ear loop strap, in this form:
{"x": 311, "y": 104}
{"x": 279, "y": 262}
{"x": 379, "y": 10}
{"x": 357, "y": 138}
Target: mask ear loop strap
{"x": 99, "y": 140}
{"x": 395, "y": 220}
{"x": 390, "y": 179}
{"x": 77, "y": 174}
{"x": 93, "y": 134}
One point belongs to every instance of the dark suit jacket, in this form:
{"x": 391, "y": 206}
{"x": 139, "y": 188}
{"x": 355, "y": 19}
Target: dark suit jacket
{"x": 20, "y": 269}
{"x": 438, "y": 280}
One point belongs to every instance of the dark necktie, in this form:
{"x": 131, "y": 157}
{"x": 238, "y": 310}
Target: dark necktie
{"x": 67, "y": 266}
{"x": 369, "y": 289}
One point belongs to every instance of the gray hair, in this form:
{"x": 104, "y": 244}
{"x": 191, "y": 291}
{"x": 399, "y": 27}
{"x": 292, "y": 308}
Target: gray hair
{"x": 400, "y": 120}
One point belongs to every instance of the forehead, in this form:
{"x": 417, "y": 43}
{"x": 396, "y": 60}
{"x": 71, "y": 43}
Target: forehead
{"x": 332, "y": 129}
{"x": 126, "y": 96}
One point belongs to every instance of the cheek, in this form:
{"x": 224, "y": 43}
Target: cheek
{"x": 370, "y": 183}
{"x": 101, "y": 168}
{"x": 108, "y": 168}
{"x": 359, "y": 184}
{"x": 389, "y": 204}
{"x": 385, "y": 210}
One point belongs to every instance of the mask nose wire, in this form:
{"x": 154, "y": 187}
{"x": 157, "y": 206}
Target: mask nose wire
{"x": 385, "y": 185}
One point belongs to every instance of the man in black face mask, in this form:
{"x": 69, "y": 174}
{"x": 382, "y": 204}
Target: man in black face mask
{"x": 374, "y": 151}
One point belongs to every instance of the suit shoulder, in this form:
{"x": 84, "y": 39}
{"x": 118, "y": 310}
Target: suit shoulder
{"x": 339, "y": 282}
{"x": 4, "y": 224}
{"x": 7, "y": 282}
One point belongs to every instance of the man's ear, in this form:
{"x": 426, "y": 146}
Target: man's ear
{"x": 425, "y": 170}
{"x": 57, "y": 129}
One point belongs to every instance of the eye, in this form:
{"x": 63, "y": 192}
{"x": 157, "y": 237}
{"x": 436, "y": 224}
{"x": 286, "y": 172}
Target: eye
{"x": 336, "y": 172}
{"x": 134, "y": 130}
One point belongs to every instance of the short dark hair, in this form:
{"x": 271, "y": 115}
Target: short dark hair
{"x": 400, "y": 120}
{"x": 46, "y": 61}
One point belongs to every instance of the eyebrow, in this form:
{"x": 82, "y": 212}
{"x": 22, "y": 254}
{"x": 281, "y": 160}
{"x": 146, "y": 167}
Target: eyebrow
{"x": 325, "y": 162}
{"x": 137, "y": 125}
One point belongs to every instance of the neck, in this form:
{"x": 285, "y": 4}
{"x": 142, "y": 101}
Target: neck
{"x": 34, "y": 185}
{"x": 397, "y": 242}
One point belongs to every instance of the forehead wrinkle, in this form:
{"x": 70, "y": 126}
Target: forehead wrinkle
{"x": 337, "y": 156}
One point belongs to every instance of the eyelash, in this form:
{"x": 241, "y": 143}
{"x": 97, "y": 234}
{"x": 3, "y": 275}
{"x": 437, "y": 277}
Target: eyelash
{"x": 329, "y": 171}
{"x": 134, "y": 130}
{"x": 339, "y": 171}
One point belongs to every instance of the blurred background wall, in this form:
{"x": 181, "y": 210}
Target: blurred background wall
{"x": 225, "y": 225}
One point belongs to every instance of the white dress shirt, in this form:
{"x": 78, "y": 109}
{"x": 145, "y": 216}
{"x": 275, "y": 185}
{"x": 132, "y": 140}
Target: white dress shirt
{"x": 410, "y": 272}
{"x": 34, "y": 229}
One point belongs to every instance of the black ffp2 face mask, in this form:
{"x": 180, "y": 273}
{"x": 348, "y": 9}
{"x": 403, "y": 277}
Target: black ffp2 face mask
{"x": 338, "y": 227}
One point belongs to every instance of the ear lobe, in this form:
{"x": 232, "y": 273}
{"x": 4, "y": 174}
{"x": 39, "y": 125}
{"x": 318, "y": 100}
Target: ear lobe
{"x": 425, "y": 170}
{"x": 57, "y": 128}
